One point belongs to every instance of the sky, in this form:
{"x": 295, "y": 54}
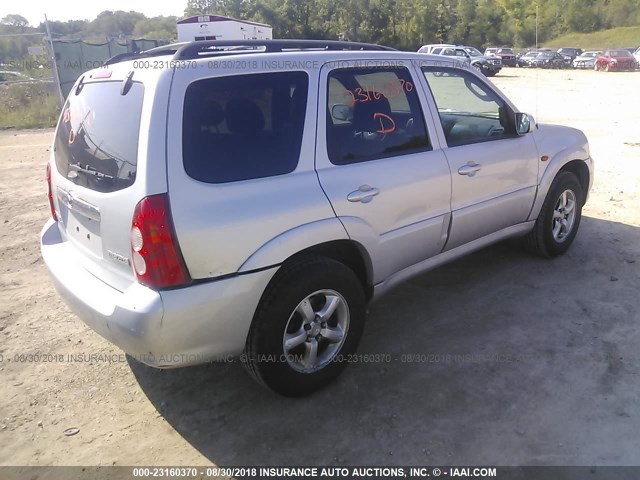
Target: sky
{"x": 34, "y": 10}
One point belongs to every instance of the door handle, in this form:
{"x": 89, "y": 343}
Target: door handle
{"x": 364, "y": 194}
{"x": 469, "y": 169}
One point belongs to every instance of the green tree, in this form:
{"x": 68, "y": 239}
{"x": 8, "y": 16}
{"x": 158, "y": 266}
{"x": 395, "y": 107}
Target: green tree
{"x": 15, "y": 20}
{"x": 114, "y": 24}
{"x": 157, "y": 28}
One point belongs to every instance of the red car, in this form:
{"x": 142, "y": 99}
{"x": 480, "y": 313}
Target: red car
{"x": 615, "y": 60}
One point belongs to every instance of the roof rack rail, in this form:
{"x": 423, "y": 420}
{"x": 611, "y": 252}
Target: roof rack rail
{"x": 196, "y": 49}
{"x": 193, "y": 50}
{"x": 170, "y": 49}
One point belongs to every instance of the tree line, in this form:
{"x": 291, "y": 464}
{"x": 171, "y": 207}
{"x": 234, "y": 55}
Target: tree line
{"x": 404, "y": 24}
{"x": 407, "y": 24}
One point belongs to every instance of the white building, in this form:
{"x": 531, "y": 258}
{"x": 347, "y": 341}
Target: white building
{"x": 218, "y": 27}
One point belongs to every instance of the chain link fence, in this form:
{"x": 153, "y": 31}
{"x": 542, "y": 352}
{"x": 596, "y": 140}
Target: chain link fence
{"x": 41, "y": 72}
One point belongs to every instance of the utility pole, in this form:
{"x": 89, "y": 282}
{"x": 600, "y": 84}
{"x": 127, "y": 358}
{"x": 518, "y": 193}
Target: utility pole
{"x": 536, "y": 27}
{"x": 56, "y": 77}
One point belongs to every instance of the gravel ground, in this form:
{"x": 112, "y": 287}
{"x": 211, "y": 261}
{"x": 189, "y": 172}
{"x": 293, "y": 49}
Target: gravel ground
{"x": 520, "y": 361}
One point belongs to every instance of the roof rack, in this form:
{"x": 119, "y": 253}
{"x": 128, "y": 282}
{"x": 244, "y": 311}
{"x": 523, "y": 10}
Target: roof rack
{"x": 153, "y": 52}
{"x": 198, "y": 49}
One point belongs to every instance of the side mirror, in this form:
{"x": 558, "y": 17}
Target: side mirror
{"x": 523, "y": 123}
{"x": 342, "y": 112}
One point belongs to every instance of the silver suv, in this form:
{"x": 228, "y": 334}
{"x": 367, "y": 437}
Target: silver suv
{"x": 488, "y": 65}
{"x": 219, "y": 199}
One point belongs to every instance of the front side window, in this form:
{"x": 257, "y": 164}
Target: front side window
{"x": 243, "y": 126}
{"x": 470, "y": 112}
{"x": 373, "y": 114}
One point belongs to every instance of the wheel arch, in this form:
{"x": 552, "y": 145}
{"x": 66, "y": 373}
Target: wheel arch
{"x": 349, "y": 253}
{"x": 327, "y": 238}
{"x": 580, "y": 168}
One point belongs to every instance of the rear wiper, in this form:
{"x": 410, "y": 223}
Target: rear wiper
{"x": 77, "y": 167}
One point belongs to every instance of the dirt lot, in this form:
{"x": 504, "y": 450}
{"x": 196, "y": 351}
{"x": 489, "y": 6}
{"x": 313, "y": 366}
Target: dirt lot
{"x": 526, "y": 361}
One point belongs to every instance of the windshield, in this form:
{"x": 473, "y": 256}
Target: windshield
{"x": 473, "y": 52}
{"x": 589, "y": 54}
{"x": 506, "y": 50}
{"x": 96, "y": 143}
{"x": 620, "y": 53}
{"x": 545, "y": 55}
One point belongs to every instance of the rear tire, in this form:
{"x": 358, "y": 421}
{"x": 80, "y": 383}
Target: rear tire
{"x": 559, "y": 218}
{"x": 310, "y": 317}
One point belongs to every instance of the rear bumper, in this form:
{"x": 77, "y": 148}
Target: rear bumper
{"x": 622, "y": 66}
{"x": 196, "y": 324}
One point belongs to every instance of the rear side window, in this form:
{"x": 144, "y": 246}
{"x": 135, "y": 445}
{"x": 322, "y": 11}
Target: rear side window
{"x": 96, "y": 143}
{"x": 244, "y": 126}
{"x": 373, "y": 114}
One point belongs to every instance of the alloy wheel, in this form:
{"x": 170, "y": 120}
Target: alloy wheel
{"x": 564, "y": 216}
{"x": 316, "y": 330}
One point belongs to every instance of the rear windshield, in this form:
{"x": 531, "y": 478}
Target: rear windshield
{"x": 620, "y": 53}
{"x": 244, "y": 126}
{"x": 96, "y": 142}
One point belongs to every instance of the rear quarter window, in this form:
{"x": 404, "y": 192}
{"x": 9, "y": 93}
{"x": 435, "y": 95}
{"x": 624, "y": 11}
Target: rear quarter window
{"x": 244, "y": 126}
{"x": 96, "y": 144}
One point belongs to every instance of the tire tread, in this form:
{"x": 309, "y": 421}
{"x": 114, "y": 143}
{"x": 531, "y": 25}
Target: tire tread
{"x": 289, "y": 271}
{"x": 534, "y": 241}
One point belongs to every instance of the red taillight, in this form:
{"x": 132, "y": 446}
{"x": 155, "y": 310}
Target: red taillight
{"x": 157, "y": 261}
{"x": 50, "y": 193}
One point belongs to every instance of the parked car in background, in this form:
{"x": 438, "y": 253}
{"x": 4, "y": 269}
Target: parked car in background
{"x": 434, "y": 46}
{"x": 569, "y": 54}
{"x": 548, "y": 60}
{"x": 489, "y": 66}
{"x": 505, "y": 54}
{"x": 526, "y": 59}
{"x": 618, "y": 60}
{"x": 586, "y": 59}
{"x": 14, "y": 77}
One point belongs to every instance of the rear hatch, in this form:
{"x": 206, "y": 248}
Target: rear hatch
{"x": 94, "y": 169}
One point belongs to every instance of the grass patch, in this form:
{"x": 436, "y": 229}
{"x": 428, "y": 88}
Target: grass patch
{"x": 28, "y": 105}
{"x": 613, "y": 38}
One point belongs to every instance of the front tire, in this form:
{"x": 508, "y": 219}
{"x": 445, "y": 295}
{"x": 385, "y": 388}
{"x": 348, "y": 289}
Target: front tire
{"x": 310, "y": 317}
{"x": 559, "y": 218}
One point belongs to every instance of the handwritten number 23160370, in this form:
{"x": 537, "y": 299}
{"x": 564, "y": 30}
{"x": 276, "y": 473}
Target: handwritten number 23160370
{"x": 389, "y": 90}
